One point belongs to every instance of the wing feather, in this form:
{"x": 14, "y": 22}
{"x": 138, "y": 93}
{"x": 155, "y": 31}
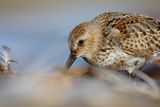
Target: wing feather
{"x": 143, "y": 39}
{"x": 136, "y": 34}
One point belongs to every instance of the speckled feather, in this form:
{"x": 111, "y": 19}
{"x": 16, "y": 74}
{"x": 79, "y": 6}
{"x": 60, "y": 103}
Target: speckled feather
{"x": 136, "y": 34}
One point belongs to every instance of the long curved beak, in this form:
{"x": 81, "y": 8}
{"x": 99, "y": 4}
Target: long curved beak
{"x": 70, "y": 61}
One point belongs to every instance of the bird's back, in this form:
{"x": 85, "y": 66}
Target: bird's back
{"x": 135, "y": 34}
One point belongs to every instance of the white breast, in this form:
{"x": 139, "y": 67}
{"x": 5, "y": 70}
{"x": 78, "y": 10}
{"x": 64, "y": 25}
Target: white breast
{"x": 117, "y": 55}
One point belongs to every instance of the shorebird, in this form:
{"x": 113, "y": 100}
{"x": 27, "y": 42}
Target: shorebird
{"x": 5, "y": 59}
{"x": 117, "y": 41}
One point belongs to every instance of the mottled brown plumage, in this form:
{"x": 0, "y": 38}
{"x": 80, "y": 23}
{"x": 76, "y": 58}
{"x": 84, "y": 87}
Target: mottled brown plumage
{"x": 137, "y": 34}
{"x": 118, "y": 41}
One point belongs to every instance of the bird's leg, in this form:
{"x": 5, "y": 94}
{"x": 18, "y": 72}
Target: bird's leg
{"x": 131, "y": 76}
{"x": 130, "y": 73}
{"x": 152, "y": 83}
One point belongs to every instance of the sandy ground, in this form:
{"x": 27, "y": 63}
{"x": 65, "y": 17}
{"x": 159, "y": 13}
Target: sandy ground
{"x": 76, "y": 88}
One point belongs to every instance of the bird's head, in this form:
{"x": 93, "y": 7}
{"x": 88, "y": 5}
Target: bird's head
{"x": 83, "y": 42}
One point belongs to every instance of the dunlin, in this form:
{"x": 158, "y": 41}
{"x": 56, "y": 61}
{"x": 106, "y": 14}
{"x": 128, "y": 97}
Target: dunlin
{"x": 114, "y": 40}
{"x": 117, "y": 41}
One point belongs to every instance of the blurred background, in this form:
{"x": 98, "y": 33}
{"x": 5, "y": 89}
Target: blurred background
{"x": 37, "y": 30}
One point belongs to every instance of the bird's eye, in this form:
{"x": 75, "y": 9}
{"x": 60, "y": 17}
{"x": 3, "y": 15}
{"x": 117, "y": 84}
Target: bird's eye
{"x": 81, "y": 42}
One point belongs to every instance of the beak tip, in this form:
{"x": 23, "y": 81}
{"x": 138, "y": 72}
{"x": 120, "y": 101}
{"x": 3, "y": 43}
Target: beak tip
{"x": 66, "y": 68}
{"x": 70, "y": 61}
